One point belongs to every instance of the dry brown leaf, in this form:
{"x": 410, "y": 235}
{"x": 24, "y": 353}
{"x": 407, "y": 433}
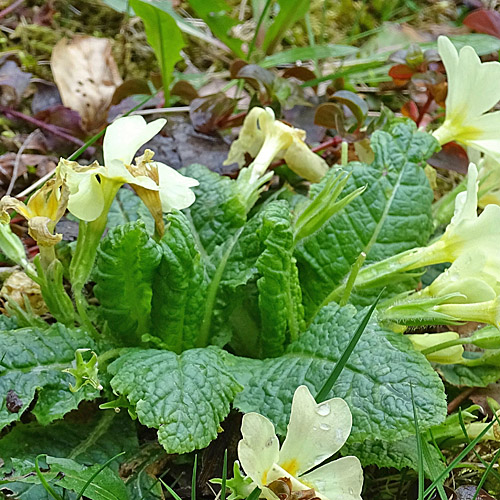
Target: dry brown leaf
{"x": 17, "y": 286}
{"x": 87, "y": 76}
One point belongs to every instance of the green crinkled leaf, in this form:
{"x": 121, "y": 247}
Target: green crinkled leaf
{"x": 184, "y": 396}
{"x": 280, "y": 301}
{"x": 32, "y": 361}
{"x": 469, "y": 376}
{"x": 392, "y": 215}
{"x": 89, "y": 442}
{"x": 7, "y": 322}
{"x": 106, "y": 485}
{"x": 259, "y": 289}
{"x": 374, "y": 382}
{"x": 179, "y": 288}
{"x": 127, "y": 259}
{"x": 397, "y": 454}
{"x": 217, "y": 212}
{"x": 128, "y": 207}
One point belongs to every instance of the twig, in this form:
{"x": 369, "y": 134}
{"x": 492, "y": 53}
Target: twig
{"x": 39, "y": 182}
{"x": 17, "y": 161}
{"x": 154, "y": 111}
{"x": 13, "y": 6}
{"x": 47, "y": 126}
{"x": 454, "y": 403}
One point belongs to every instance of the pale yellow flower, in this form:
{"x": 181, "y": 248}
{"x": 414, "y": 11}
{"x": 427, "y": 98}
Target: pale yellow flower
{"x": 447, "y": 356}
{"x": 473, "y": 89}
{"x": 267, "y": 139}
{"x": 43, "y": 211}
{"x": 467, "y": 234}
{"x": 315, "y": 433}
{"x": 92, "y": 188}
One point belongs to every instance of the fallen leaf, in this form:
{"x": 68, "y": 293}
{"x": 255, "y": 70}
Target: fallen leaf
{"x": 43, "y": 164}
{"x": 17, "y": 286}
{"x": 468, "y": 492}
{"x": 481, "y": 394}
{"x": 13, "y": 83}
{"x": 87, "y": 76}
{"x": 45, "y": 97}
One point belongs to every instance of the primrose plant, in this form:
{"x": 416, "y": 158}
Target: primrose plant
{"x": 194, "y": 294}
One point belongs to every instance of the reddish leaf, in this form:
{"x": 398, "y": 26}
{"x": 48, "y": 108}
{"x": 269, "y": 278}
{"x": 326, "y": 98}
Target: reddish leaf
{"x": 209, "y": 111}
{"x": 301, "y": 73}
{"x": 401, "y": 74}
{"x": 451, "y": 157}
{"x": 410, "y": 110}
{"x": 235, "y": 67}
{"x": 484, "y": 21}
{"x": 184, "y": 90}
{"x": 481, "y": 394}
{"x": 67, "y": 119}
{"x": 130, "y": 87}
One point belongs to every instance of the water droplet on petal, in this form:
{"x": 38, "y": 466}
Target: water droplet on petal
{"x": 324, "y": 427}
{"x": 351, "y": 491}
{"x": 269, "y": 442}
{"x": 323, "y": 410}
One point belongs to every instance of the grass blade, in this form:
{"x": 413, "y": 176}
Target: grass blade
{"x": 420, "y": 454}
{"x": 224, "y": 477}
{"x": 170, "y": 490}
{"x": 193, "y": 478}
{"x": 254, "y": 495}
{"x": 80, "y": 495}
{"x": 325, "y": 390}
{"x": 44, "y": 482}
{"x": 458, "y": 458}
{"x": 485, "y": 475}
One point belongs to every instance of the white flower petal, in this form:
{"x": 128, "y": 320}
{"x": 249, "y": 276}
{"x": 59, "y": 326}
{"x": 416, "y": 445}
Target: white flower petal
{"x": 466, "y": 202}
{"x": 259, "y": 448}
{"x": 249, "y": 141}
{"x": 126, "y": 135}
{"x": 175, "y": 188}
{"x": 449, "y": 56}
{"x": 466, "y": 74}
{"x": 87, "y": 202}
{"x": 341, "y": 479}
{"x": 315, "y": 431}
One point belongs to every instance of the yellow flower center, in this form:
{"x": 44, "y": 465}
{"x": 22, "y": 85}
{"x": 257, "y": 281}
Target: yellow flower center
{"x": 291, "y": 466}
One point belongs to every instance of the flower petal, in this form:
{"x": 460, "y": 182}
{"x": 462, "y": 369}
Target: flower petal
{"x": 175, "y": 188}
{"x": 450, "y": 355}
{"x": 304, "y": 162}
{"x": 315, "y": 431}
{"x": 466, "y": 73}
{"x": 87, "y": 201}
{"x": 249, "y": 141}
{"x": 259, "y": 448}
{"x": 449, "y": 56}
{"x": 126, "y": 135}
{"x": 466, "y": 202}
{"x": 341, "y": 479}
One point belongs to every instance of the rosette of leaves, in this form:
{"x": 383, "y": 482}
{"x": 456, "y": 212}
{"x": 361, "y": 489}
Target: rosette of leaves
{"x": 228, "y": 293}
